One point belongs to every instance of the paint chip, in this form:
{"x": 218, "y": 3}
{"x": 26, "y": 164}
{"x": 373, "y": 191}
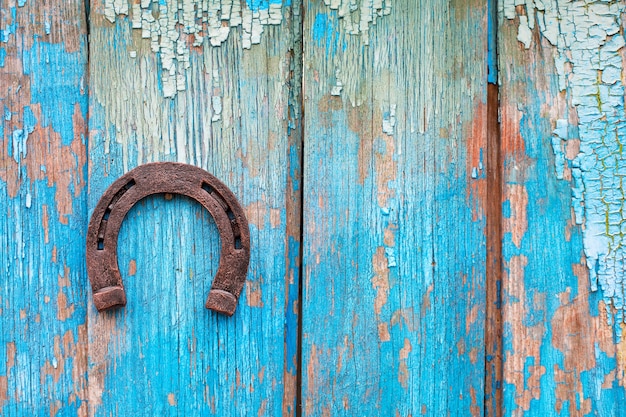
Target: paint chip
{"x": 589, "y": 64}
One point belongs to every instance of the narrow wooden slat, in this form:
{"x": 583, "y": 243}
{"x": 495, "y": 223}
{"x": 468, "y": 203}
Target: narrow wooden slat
{"x": 43, "y": 100}
{"x": 560, "y": 354}
{"x": 164, "y": 353}
{"x": 394, "y": 221}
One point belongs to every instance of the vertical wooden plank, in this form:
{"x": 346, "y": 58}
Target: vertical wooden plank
{"x": 493, "y": 224}
{"x": 43, "y": 102}
{"x": 562, "y": 122}
{"x": 394, "y": 223}
{"x": 233, "y": 112}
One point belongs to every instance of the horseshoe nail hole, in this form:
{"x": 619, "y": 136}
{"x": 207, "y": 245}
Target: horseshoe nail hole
{"x": 129, "y": 184}
{"x": 206, "y": 187}
{"x": 101, "y": 244}
{"x": 230, "y": 214}
{"x": 237, "y": 242}
{"x": 107, "y": 213}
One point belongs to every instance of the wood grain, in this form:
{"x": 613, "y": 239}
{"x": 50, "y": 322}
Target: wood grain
{"x": 43, "y": 97}
{"x": 394, "y": 222}
{"x": 441, "y": 274}
{"x": 559, "y": 351}
{"x": 164, "y": 353}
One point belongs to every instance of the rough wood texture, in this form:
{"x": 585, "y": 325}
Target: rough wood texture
{"x": 401, "y": 308}
{"x": 166, "y": 354}
{"x": 394, "y": 224}
{"x": 560, "y": 357}
{"x": 43, "y": 61}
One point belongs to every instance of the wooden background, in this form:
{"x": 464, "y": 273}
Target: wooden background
{"x": 414, "y": 249}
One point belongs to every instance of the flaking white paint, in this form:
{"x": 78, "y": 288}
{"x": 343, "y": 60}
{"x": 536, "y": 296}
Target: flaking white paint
{"x": 588, "y": 39}
{"x": 357, "y": 16}
{"x": 173, "y": 26}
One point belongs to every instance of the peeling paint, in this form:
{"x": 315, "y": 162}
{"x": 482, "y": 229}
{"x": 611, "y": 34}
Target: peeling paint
{"x": 516, "y": 223}
{"x": 357, "y": 16}
{"x": 523, "y": 356}
{"x": 580, "y": 348}
{"x": 589, "y": 44}
{"x": 391, "y": 214}
{"x": 380, "y": 280}
{"x": 403, "y": 369}
{"x": 238, "y": 118}
{"x": 43, "y": 102}
{"x": 174, "y": 27}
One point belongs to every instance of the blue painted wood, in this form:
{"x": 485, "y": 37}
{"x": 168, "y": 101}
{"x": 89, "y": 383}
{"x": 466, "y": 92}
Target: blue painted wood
{"x": 561, "y": 355}
{"x": 164, "y": 353}
{"x": 43, "y": 100}
{"x": 394, "y": 225}
{"x": 395, "y": 205}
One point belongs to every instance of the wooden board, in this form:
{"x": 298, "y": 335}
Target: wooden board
{"x": 164, "y": 353}
{"x": 409, "y": 204}
{"x": 43, "y": 298}
{"x": 561, "y": 356}
{"x": 394, "y": 222}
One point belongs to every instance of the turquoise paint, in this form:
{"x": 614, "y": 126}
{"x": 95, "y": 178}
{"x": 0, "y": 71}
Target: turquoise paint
{"x": 151, "y": 354}
{"x": 291, "y": 320}
{"x": 168, "y": 343}
{"x": 548, "y": 277}
{"x": 339, "y": 298}
{"x": 320, "y": 28}
{"x": 170, "y": 346}
{"x": 393, "y": 325}
{"x": 42, "y": 258}
{"x": 325, "y": 32}
{"x": 53, "y": 71}
{"x": 492, "y": 42}
{"x": 590, "y": 41}
{"x": 5, "y": 34}
{"x": 182, "y": 358}
{"x": 256, "y": 5}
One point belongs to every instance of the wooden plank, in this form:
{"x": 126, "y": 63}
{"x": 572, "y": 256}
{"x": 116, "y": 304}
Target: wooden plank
{"x": 394, "y": 224}
{"x": 232, "y": 114}
{"x": 43, "y": 62}
{"x": 560, "y": 354}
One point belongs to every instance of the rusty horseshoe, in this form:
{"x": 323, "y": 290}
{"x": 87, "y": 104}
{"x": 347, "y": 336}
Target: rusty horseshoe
{"x": 172, "y": 178}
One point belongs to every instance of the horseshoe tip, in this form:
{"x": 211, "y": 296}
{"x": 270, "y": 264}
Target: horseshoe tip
{"x": 109, "y": 297}
{"x": 222, "y": 302}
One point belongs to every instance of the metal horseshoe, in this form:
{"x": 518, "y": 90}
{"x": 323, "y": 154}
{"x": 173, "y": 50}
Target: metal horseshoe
{"x": 172, "y": 178}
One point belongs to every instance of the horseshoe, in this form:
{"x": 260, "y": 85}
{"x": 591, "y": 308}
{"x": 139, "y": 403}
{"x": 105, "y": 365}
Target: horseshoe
{"x": 171, "y": 178}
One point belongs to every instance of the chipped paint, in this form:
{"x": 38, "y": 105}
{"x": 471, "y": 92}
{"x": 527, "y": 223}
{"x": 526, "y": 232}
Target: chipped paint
{"x": 43, "y": 61}
{"x": 403, "y": 369}
{"x": 523, "y": 356}
{"x": 559, "y": 353}
{"x": 516, "y": 223}
{"x": 238, "y": 117}
{"x": 395, "y": 244}
{"x": 357, "y": 16}
{"x": 380, "y": 281}
{"x": 589, "y": 44}
{"x": 175, "y": 27}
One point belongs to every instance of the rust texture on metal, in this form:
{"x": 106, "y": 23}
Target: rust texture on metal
{"x": 172, "y": 178}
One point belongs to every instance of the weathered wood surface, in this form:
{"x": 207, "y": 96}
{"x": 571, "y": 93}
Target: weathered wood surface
{"x": 400, "y": 261}
{"x": 556, "y": 98}
{"x": 43, "y": 298}
{"x": 164, "y": 353}
{"x": 394, "y": 223}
